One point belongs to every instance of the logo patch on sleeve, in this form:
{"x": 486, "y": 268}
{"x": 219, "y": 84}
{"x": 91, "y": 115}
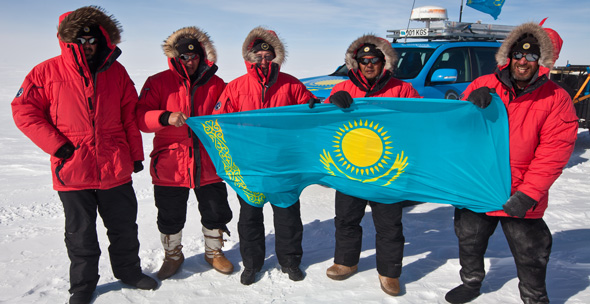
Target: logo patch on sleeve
{"x": 20, "y": 92}
{"x": 218, "y": 105}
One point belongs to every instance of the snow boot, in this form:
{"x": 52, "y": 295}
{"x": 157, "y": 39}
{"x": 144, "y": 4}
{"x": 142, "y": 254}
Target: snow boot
{"x": 248, "y": 276}
{"x": 81, "y": 297}
{"x": 141, "y": 281}
{"x": 213, "y": 254}
{"x": 389, "y": 285}
{"x": 294, "y": 272}
{"x": 341, "y": 272}
{"x": 173, "y": 255}
{"x": 461, "y": 294}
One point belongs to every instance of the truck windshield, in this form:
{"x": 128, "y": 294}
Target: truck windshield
{"x": 411, "y": 61}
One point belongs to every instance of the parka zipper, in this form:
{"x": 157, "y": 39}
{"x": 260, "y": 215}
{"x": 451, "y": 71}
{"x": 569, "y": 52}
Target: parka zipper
{"x": 196, "y": 172}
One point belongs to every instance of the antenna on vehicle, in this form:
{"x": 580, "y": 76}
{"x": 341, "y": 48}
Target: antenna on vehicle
{"x": 410, "y": 19}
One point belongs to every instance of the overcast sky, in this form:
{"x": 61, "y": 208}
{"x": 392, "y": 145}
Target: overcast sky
{"x": 316, "y": 32}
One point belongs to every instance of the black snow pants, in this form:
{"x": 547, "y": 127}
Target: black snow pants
{"x": 288, "y": 235}
{"x": 530, "y": 243}
{"x": 172, "y": 205}
{"x": 118, "y": 209}
{"x": 389, "y": 239}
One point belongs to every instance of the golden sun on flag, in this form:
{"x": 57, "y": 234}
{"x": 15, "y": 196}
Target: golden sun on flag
{"x": 362, "y": 147}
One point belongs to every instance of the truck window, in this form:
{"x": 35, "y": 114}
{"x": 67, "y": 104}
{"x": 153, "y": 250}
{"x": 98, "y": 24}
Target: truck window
{"x": 454, "y": 58}
{"x": 484, "y": 61}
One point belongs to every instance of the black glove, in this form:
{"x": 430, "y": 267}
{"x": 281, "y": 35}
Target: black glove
{"x": 481, "y": 97}
{"x": 137, "y": 166}
{"x": 312, "y": 101}
{"x": 66, "y": 151}
{"x": 341, "y": 99}
{"x": 518, "y": 204}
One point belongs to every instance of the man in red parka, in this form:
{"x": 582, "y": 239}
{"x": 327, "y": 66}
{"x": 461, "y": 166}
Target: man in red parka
{"x": 79, "y": 108}
{"x": 543, "y": 129}
{"x": 371, "y": 62}
{"x": 179, "y": 161}
{"x": 265, "y": 86}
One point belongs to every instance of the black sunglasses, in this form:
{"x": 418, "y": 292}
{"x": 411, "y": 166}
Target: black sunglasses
{"x": 365, "y": 61}
{"x": 529, "y": 57}
{"x": 187, "y": 57}
{"x": 83, "y": 41}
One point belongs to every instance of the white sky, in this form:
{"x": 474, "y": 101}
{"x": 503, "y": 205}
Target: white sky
{"x": 316, "y": 32}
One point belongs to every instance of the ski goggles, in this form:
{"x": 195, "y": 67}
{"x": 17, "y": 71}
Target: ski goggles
{"x": 267, "y": 57}
{"x": 365, "y": 61}
{"x": 528, "y": 57}
{"x": 83, "y": 41}
{"x": 186, "y": 57}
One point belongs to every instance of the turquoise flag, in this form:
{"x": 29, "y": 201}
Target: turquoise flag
{"x": 492, "y": 7}
{"x": 381, "y": 149}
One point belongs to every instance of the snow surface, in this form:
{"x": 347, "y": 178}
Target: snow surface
{"x": 34, "y": 263}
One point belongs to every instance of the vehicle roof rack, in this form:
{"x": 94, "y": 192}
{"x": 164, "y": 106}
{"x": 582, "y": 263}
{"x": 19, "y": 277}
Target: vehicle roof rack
{"x": 453, "y": 30}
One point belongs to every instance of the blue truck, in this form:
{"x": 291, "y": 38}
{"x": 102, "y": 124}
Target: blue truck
{"x": 447, "y": 57}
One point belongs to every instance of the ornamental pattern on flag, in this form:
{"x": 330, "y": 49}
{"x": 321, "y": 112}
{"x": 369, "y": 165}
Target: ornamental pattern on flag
{"x": 385, "y": 150}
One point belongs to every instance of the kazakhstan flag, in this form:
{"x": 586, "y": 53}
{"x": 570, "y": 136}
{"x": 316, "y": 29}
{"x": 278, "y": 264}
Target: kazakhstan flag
{"x": 381, "y": 149}
{"x": 492, "y": 7}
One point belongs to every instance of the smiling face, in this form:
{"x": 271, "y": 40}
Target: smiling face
{"x": 370, "y": 70}
{"x": 523, "y": 70}
{"x": 265, "y": 58}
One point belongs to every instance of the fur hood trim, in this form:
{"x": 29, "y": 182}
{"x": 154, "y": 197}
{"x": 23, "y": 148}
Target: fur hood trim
{"x": 70, "y": 24}
{"x": 190, "y": 32}
{"x": 383, "y": 45}
{"x": 271, "y": 38}
{"x": 545, "y": 44}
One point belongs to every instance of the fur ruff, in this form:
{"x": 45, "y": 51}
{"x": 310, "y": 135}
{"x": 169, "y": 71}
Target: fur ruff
{"x": 383, "y": 45}
{"x": 271, "y": 38}
{"x": 545, "y": 44}
{"x": 70, "y": 25}
{"x": 190, "y": 32}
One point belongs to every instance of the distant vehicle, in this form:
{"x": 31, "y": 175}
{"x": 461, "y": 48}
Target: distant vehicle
{"x": 449, "y": 56}
{"x": 575, "y": 80}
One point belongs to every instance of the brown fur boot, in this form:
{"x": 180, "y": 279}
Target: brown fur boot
{"x": 389, "y": 285}
{"x": 341, "y": 272}
{"x": 173, "y": 255}
{"x": 213, "y": 254}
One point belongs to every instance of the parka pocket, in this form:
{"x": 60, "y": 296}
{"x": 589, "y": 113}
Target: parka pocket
{"x": 169, "y": 163}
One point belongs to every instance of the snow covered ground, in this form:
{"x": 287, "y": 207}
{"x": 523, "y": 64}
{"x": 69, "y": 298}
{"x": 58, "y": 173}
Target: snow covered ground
{"x": 34, "y": 263}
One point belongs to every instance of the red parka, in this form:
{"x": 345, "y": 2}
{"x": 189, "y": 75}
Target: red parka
{"x": 253, "y": 90}
{"x": 542, "y": 123}
{"x": 178, "y": 158}
{"x": 61, "y": 101}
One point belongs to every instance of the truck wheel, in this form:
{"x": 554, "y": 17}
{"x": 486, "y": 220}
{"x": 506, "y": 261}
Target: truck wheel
{"x": 450, "y": 94}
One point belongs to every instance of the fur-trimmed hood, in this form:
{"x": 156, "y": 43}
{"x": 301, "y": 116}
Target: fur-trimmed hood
{"x": 70, "y": 24}
{"x": 546, "y": 46}
{"x": 383, "y": 45}
{"x": 269, "y": 37}
{"x": 190, "y": 32}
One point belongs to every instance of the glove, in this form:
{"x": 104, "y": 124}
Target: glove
{"x": 481, "y": 97}
{"x": 66, "y": 151}
{"x": 341, "y": 99}
{"x": 312, "y": 101}
{"x": 518, "y": 204}
{"x": 137, "y": 166}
